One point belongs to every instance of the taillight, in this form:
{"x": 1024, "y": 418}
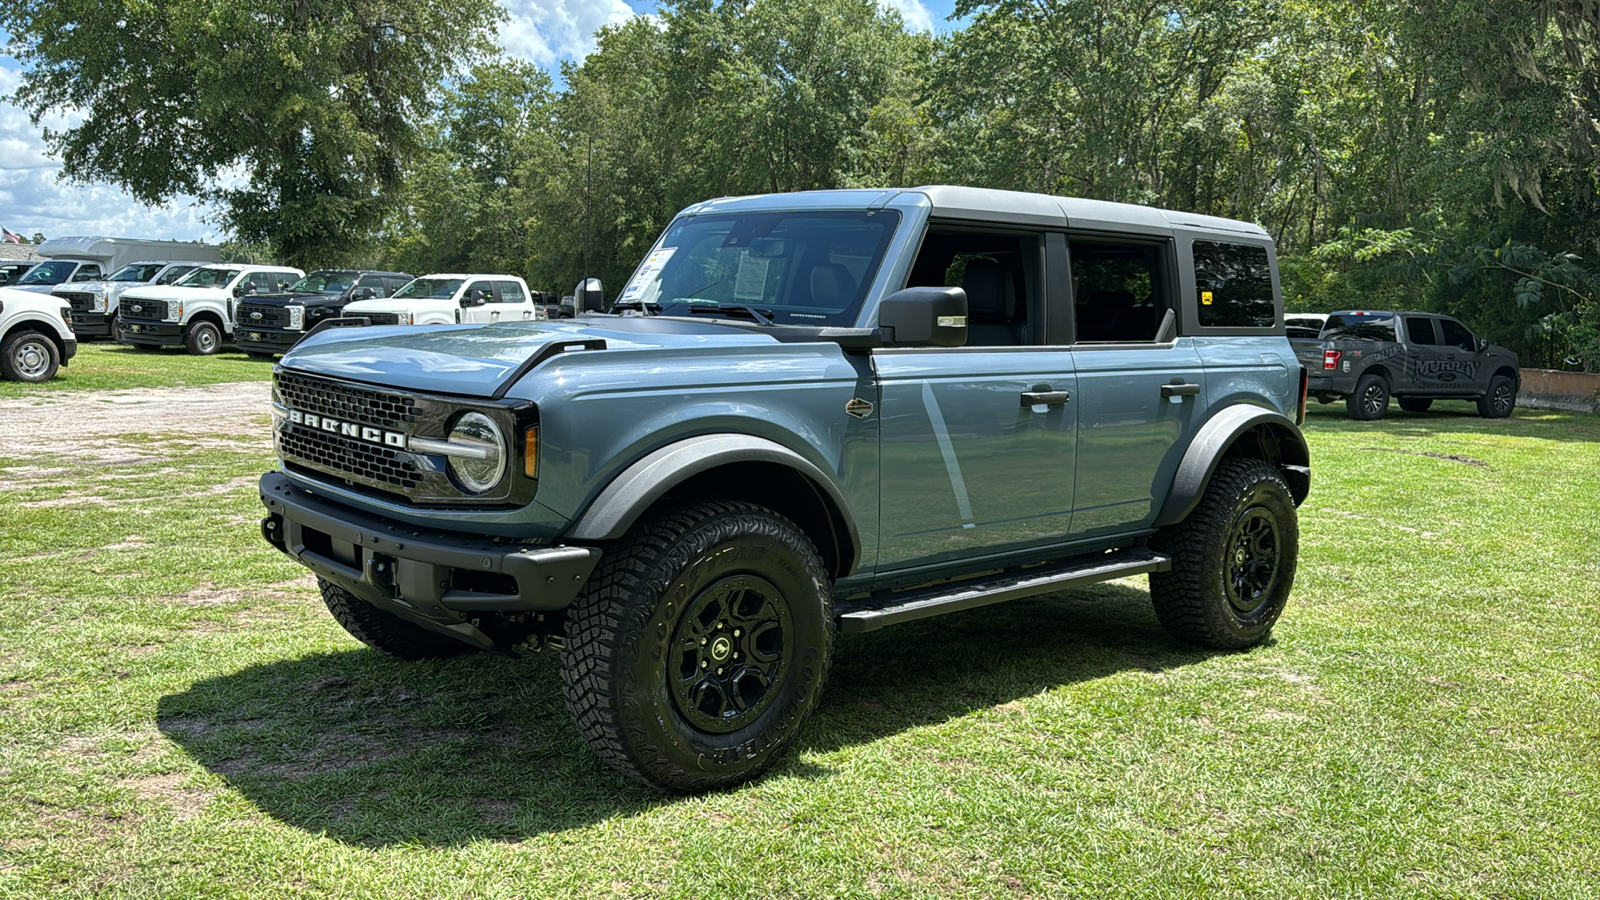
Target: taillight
{"x": 1330, "y": 359}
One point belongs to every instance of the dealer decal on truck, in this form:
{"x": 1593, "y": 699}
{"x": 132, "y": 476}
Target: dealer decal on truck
{"x": 348, "y": 429}
{"x": 1438, "y": 368}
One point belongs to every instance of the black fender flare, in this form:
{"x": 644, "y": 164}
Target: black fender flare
{"x": 640, "y": 485}
{"x": 1212, "y": 443}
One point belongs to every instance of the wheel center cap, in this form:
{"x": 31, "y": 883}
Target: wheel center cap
{"x": 720, "y": 648}
{"x": 1239, "y": 556}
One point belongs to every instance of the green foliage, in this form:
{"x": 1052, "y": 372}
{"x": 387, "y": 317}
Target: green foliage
{"x": 315, "y": 105}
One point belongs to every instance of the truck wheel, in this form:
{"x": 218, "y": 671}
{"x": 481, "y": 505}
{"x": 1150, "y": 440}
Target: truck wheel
{"x": 1500, "y": 399}
{"x": 1233, "y": 559}
{"x": 1370, "y": 400}
{"x": 1416, "y": 404}
{"x": 203, "y": 339}
{"x": 385, "y": 632}
{"x": 28, "y": 356}
{"x": 116, "y": 330}
{"x": 699, "y": 647}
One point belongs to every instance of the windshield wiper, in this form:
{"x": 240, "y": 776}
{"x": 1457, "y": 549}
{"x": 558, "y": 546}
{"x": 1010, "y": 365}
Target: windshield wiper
{"x": 764, "y": 316}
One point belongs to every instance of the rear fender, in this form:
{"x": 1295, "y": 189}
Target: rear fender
{"x": 1248, "y": 431}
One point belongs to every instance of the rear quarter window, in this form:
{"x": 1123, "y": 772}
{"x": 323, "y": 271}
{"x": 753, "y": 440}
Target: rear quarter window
{"x": 1234, "y": 282}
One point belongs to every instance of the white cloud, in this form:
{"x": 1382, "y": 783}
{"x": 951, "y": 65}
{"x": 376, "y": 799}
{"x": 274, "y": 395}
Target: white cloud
{"x": 913, "y": 13}
{"x": 547, "y": 31}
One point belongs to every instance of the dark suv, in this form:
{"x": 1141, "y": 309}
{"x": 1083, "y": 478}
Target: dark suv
{"x": 819, "y": 412}
{"x": 269, "y": 324}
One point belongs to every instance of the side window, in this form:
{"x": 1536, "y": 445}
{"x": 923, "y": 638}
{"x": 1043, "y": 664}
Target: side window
{"x": 1235, "y": 285}
{"x": 375, "y": 282}
{"x": 999, "y": 272}
{"x": 88, "y": 273}
{"x": 511, "y": 292}
{"x": 485, "y": 287}
{"x": 173, "y": 274}
{"x": 1419, "y": 331}
{"x": 393, "y": 284}
{"x": 1457, "y": 335}
{"x": 1119, "y": 290}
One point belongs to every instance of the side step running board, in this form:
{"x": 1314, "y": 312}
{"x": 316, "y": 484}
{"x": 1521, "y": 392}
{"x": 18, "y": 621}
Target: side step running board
{"x": 875, "y": 612}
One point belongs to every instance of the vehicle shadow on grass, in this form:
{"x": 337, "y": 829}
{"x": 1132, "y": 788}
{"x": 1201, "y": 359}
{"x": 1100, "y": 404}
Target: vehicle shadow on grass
{"x": 1453, "y": 417}
{"x": 372, "y": 751}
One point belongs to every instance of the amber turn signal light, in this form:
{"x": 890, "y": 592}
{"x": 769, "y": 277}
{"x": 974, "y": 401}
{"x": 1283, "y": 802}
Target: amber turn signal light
{"x": 530, "y": 452}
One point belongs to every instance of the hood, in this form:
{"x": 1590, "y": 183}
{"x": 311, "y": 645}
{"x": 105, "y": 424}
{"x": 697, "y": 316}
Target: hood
{"x": 483, "y": 360}
{"x": 284, "y": 298}
{"x": 34, "y": 288}
{"x": 86, "y": 286}
{"x": 174, "y": 292}
{"x": 402, "y": 304}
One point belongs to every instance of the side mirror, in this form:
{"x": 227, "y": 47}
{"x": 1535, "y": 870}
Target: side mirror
{"x": 244, "y": 290}
{"x": 924, "y": 317}
{"x": 588, "y": 296}
{"x": 474, "y": 297}
{"x": 1482, "y": 345}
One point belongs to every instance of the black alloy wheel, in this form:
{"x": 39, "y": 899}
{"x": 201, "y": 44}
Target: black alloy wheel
{"x": 1254, "y": 560}
{"x": 1370, "y": 399}
{"x": 1499, "y": 400}
{"x": 732, "y": 646}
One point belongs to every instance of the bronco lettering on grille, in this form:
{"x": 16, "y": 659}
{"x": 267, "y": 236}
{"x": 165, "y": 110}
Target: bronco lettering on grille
{"x": 348, "y": 429}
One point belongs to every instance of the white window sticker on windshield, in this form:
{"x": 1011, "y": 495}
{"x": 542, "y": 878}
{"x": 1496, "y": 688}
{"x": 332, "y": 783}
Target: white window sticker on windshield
{"x": 653, "y": 264}
{"x": 752, "y": 281}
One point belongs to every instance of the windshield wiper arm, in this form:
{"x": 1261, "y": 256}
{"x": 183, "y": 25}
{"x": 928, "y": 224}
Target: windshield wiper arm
{"x": 764, "y": 316}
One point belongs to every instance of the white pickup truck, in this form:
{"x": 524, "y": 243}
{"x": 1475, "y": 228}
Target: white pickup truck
{"x": 35, "y": 335}
{"x": 94, "y": 303}
{"x": 449, "y": 299}
{"x": 197, "y": 311}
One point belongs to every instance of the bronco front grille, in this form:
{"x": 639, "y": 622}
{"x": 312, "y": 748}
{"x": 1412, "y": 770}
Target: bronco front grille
{"x": 381, "y": 318}
{"x": 79, "y": 301}
{"x": 151, "y": 310}
{"x": 346, "y": 403}
{"x": 255, "y": 315}
{"x": 380, "y": 466}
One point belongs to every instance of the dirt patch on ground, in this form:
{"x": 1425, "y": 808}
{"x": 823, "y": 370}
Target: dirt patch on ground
{"x": 87, "y": 428}
{"x": 185, "y": 802}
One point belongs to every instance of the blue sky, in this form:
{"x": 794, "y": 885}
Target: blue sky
{"x": 33, "y": 199}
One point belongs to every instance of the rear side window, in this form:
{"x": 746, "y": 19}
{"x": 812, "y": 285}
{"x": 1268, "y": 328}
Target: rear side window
{"x": 511, "y": 292}
{"x": 1420, "y": 331}
{"x": 1359, "y": 327}
{"x": 1235, "y": 285}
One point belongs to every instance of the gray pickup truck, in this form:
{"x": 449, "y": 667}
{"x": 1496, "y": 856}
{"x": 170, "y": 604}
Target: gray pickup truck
{"x": 815, "y": 413}
{"x": 1366, "y": 357}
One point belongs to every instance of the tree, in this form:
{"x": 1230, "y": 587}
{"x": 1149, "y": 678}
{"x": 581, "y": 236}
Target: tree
{"x": 314, "y": 105}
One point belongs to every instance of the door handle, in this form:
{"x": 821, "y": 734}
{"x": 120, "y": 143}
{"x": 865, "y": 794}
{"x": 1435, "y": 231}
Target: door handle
{"x": 1179, "y": 390}
{"x": 1045, "y": 398}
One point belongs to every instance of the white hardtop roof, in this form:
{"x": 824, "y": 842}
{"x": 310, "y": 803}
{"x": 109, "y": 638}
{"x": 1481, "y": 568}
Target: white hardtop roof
{"x": 460, "y": 275}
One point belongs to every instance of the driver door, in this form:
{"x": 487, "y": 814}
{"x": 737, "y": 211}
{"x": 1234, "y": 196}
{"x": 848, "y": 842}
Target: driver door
{"x": 478, "y": 302}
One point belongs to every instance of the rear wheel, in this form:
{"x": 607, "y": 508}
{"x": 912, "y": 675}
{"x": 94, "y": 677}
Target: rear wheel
{"x": 28, "y": 356}
{"x": 1233, "y": 559}
{"x": 203, "y": 338}
{"x": 1370, "y": 400}
{"x": 385, "y": 632}
{"x": 1500, "y": 399}
{"x": 1416, "y": 404}
{"x": 700, "y": 647}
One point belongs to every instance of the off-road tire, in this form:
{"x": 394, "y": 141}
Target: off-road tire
{"x": 1370, "y": 400}
{"x": 1416, "y": 404}
{"x": 203, "y": 339}
{"x": 1233, "y": 559}
{"x": 385, "y": 632}
{"x": 637, "y": 650}
{"x": 1500, "y": 399}
{"x": 29, "y": 356}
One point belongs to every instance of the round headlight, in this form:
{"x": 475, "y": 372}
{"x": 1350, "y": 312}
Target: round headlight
{"x": 478, "y": 430}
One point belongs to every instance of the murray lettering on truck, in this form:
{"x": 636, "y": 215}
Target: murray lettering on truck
{"x": 804, "y": 414}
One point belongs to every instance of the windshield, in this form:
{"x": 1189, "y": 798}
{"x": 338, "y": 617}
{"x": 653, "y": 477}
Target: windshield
{"x": 323, "y": 283}
{"x": 173, "y": 274}
{"x": 430, "y": 288}
{"x": 53, "y": 272}
{"x": 1359, "y": 327}
{"x": 206, "y": 276}
{"x": 800, "y": 268}
{"x": 140, "y": 272}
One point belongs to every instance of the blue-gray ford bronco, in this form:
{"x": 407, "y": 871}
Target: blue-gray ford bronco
{"x": 804, "y": 414}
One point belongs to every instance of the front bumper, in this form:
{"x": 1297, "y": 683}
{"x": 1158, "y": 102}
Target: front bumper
{"x": 153, "y": 334}
{"x": 436, "y": 579}
{"x": 265, "y": 340}
{"x": 92, "y": 324}
{"x": 69, "y": 349}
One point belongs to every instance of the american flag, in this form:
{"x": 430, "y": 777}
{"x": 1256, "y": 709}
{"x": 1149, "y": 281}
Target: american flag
{"x": 11, "y": 237}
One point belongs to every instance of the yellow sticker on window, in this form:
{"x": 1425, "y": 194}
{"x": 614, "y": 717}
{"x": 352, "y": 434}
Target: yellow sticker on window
{"x": 1205, "y": 298}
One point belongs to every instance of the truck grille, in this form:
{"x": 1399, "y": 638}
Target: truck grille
{"x": 79, "y": 301}
{"x": 147, "y": 310}
{"x": 381, "y": 318}
{"x": 260, "y": 315}
{"x": 395, "y": 412}
{"x": 379, "y": 466}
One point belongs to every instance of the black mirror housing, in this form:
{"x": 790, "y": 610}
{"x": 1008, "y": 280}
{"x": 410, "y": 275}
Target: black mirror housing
{"x": 924, "y": 317}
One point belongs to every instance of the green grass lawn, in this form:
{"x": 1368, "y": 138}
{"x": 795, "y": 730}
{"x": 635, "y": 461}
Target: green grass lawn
{"x": 104, "y": 366}
{"x": 179, "y": 717}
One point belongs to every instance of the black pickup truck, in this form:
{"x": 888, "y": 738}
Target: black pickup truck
{"x": 1416, "y": 357}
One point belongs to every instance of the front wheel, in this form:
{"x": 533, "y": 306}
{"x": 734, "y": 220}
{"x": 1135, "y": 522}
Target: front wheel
{"x": 700, "y": 647}
{"x": 203, "y": 339}
{"x": 1500, "y": 399}
{"x": 1233, "y": 559}
{"x": 1370, "y": 400}
{"x": 28, "y": 356}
